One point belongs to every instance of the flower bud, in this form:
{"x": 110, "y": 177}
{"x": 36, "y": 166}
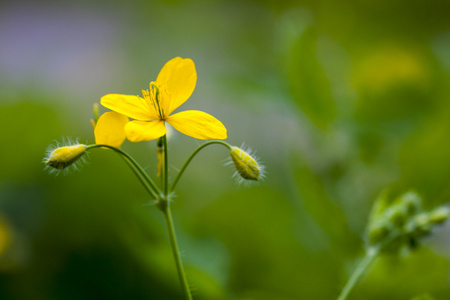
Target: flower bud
{"x": 439, "y": 215}
{"x": 425, "y": 222}
{"x": 62, "y": 157}
{"x": 246, "y": 166}
{"x": 95, "y": 112}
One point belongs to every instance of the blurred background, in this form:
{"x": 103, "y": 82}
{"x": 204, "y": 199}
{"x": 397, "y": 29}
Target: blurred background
{"x": 339, "y": 99}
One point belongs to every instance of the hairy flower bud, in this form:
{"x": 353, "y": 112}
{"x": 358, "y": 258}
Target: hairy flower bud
{"x": 246, "y": 165}
{"x": 62, "y": 157}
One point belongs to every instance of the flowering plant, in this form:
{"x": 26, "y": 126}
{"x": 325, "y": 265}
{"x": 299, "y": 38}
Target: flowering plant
{"x": 173, "y": 86}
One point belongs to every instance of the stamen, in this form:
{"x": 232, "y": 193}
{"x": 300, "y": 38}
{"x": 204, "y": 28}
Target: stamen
{"x": 147, "y": 102}
{"x": 155, "y": 97}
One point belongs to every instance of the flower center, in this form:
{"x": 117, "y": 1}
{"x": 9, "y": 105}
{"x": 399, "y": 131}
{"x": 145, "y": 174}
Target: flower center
{"x": 154, "y": 98}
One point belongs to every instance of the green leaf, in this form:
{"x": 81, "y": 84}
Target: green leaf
{"x": 308, "y": 84}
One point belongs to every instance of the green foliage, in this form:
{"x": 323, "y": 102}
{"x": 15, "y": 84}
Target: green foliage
{"x": 340, "y": 99}
{"x": 423, "y": 297}
{"x": 307, "y": 80}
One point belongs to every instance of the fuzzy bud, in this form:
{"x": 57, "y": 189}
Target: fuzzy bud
{"x": 62, "y": 157}
{"x": 246, "y": 166}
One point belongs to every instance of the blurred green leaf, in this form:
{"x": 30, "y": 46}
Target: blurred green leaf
{"x": 423, "y": 297}
{"x": 307, "y": 81}
{"x": 394, "y": 277}
{"x": 26, "y": 130}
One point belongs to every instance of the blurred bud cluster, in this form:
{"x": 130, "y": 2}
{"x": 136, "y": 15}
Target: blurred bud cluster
{"x": 399, "y": 223}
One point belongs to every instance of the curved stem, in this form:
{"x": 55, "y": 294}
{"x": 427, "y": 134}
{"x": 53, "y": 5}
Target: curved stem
{"x": 191, "y": 157}
{"x": 371, "y": 254}
{"x": 162, "y": 202}
{"x": 150, "y": 186}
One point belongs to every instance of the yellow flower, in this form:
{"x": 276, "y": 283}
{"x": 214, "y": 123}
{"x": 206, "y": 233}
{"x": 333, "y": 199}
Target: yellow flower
{"x": 173, "y": 86}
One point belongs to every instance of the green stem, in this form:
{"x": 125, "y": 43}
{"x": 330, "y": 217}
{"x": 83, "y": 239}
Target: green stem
{"x": 164, "y": 205}
{"x": 176, "y": 253}
{"x": 191, "y": 157}
{"x": 137, "y": 169}
{"x": 371, "y": 254}
{"x": 165, "y": 167}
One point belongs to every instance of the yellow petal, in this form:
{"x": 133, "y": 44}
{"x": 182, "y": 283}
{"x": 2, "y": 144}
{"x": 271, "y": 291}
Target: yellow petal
{"x": 110, "y": 130}
{"x": 198, "y": 124}
{"x": 131, "y": 106}
{"x": 179, "y": 78}
{"x": 139, "y": 131}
